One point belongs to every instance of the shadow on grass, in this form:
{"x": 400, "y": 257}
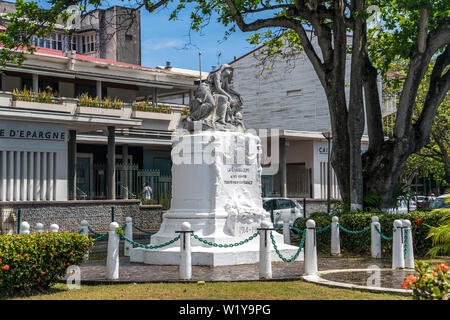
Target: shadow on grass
{"x": 6, "y": 294}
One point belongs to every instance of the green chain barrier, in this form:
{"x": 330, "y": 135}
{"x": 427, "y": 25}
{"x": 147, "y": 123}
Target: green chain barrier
{"x": 382, "y": 235}
{"x": 157, "y": 246}
{"x": 302, "y": 242}
{"x": 144, "y": 231}
{"x": 225, "y": 245}
{"x": 323, "y": 229}
{"x": 296, "y": 229}
{"x": 405, "y": 252}
{"x": 353, "y": 232}
{"x": 100, "y": 237}
{"x": 96, "y": 233}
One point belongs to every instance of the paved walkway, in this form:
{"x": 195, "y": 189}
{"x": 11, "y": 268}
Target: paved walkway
{"x": 94, "y": 271}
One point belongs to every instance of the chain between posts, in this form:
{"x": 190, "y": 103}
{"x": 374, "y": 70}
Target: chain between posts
{"x": 382, "y": 235}
{"x": 144, "y": 231}
{"x": 225, "y": 245}
{"x": 295, "y": 256}
{"x": 353, "y": 232}
{"x": 323, "y": 229}
{"x": 149, "y": 246}
{"x": 405, "y": 248}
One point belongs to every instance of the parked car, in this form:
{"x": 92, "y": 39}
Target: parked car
{"x": 441, "y": 202}
{"x": 281, "y": 206}
{"x": 422, "y": 201}
{"x": 402, "y": 207}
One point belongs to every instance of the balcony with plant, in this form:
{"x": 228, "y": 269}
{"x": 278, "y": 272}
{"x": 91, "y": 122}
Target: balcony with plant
{"x": 42, "y": 96}
{"x": 107, "y": 103}
{"x": 144, "y": 106}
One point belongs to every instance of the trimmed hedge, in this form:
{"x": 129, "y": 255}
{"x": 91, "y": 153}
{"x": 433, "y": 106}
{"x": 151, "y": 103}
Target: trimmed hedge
{"x": 35, "y": 261}
{"x": 360, "y": 243}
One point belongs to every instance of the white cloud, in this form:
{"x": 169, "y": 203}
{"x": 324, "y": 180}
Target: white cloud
{"x": 162, "y": 44}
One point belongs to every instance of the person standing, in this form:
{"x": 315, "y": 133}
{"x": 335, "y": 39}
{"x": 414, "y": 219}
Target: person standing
{"x": 147, "y": 193}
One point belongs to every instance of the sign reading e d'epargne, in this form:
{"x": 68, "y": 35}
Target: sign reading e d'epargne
{"x": 22, "y": 134}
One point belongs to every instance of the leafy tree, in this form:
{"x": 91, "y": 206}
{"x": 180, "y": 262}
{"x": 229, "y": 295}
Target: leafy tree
{"x": 413, "y": 31}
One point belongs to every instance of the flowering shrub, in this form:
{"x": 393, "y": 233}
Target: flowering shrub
{"x": 35, "y": 261}
{"x": 146, "y": 107}
{"x": 429, "y": 284}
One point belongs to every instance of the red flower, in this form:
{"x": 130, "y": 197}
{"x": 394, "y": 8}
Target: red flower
{"x": 5, "y": 267}
{"x": 418, "y": 220}
{"x": 409, "y": 281}
{"x": 42, "y": 272}
{"x": 71, "y": 252}
{"x": 38, "y": 279}
{"x": 68, "y": 263}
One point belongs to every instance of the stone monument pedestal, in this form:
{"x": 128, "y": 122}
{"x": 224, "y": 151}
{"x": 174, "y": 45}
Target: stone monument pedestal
{"x": 216, "y": 187}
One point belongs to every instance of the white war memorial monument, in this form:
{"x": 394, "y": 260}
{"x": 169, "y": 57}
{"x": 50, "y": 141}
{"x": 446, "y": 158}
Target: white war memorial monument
{"x": 216, "y": 183}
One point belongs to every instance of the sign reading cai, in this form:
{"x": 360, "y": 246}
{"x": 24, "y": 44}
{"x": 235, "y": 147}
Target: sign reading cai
{"x": 28, "y": 134}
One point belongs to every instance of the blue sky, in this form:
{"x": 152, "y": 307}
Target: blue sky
{"x": 164, "y": 40}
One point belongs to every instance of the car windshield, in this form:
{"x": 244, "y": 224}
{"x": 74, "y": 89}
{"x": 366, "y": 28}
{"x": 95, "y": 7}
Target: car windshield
{"x": 440, "y": 203}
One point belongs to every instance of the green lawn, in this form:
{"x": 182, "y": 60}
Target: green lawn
{"x": 269, "y": 290}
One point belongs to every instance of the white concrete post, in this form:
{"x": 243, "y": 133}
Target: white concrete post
{"x": 375, "y": 238}
{"x": 408, "y": 241}
{"x": 129, "y": 234}
{"x": 39, "y": 227}
{"x": 54, "y": 228}
{"x": 112, "y": 259}
{"x": 24, "y": 227}
{"x": 84, "y": 227}
{"x": 286, "y": 229}
{"x": 398, "y": 261}
{"x": 185, "y": 252}
{"x": 335, "y": 238}
{"x": 310, "y": 248}
{"x": 265, "y": 248}
{"x": 85, "y": 231}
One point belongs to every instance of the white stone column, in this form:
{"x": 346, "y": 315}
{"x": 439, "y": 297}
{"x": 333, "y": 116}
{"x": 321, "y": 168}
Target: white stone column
{"x": 44, "y": 177}
{"x": 54, "y": 227}
{"x": 17, "y": 177}
{"x": 335, "y": 238}
{"x": 35, "y": 78}
{"x": 4, "y": 177}
{"x": 185, "y": 252}
{"x": 408, "y": 242}
{"x": 39, "y": 227}
{"x": 24, "y": 184}
{"x": 310, "y": 248}
{"x": 129, "y": 234}
{"x": 85, "y": 231}
{"x": 112, "y": 259}
{"x": 98, "y": 86}
{"x": 24, "y": 227}
{"x": 398, "y": 261}
{"x": 11, "y": 176}
{"x": 37, "y": 177}
{"x": 286, "y": 229}
{"x": 30, "y": 190}
{"x": 50, "y": 182}
{"x": 375, "y": 238}
{"x": 265, "y": 251}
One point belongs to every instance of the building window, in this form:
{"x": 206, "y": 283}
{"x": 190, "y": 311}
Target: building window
{"x": 128, "y": 37}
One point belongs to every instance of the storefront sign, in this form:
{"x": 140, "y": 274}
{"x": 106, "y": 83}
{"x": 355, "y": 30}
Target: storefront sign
{"x": 32, "y": 135}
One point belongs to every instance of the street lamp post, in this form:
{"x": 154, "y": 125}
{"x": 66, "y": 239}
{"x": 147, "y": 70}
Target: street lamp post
{"x": 328, "y": 136}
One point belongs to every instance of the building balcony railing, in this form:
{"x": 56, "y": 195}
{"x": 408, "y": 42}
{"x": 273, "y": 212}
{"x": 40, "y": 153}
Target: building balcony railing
{"x": 106, "y": 107}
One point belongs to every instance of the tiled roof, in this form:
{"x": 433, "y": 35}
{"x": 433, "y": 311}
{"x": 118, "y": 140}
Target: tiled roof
{"x": 89, "y": 58}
